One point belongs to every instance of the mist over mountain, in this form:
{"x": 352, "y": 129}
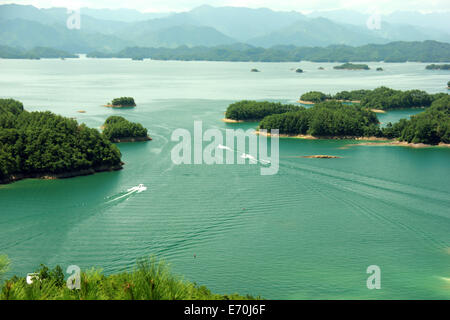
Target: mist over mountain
{"x": 113, "y": 30}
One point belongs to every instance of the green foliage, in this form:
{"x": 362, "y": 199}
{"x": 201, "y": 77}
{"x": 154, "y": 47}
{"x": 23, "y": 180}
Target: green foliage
{"x": 351, "y": 66}
{"x": 438, "y": 67}
{"x": 330, "y": 118}
{"x": 149, "y": 280}
{"x": 430, "y": 127}
{"x": 4, "y": 265}
{"x": 380, "y": 98}
{"x": 385, "y": 98}
{"x": 117, "y": 127}
{"x": 256, "y": 110}
{"x": 123, "y": 101}
{"x": 45, "y": 143}
{"x": 354, "y": 95}
{"x": 314, "y": 96}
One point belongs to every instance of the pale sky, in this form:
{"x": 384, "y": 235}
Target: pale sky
{"x": 382, "y": 6}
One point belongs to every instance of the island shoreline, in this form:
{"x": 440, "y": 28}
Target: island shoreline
{"x": 64, "y": 175}
{"x": 381, "y": 141}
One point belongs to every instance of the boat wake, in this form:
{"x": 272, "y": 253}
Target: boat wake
{"x": 252, "y": 159}
{"x": 138, "y": 189}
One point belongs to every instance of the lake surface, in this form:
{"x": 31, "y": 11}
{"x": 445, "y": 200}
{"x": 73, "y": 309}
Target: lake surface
{"x": 309, "y": 232}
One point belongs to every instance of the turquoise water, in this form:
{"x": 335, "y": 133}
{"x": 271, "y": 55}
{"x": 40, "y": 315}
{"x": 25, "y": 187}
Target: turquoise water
{"x": 309, "y": 232}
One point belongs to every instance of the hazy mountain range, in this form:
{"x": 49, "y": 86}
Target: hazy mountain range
{"x": 112, "y": 30}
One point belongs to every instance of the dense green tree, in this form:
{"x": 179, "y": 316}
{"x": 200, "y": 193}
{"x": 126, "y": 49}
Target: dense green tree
{"x": 329, "y": 118}
{"x": 117, "y": 127}
{"x": 256, "y": 110}
{"x": 314, "y": 96}
{"x": 380, "y": 98}
{"x": 42, "y": 142}
{"x": 354, "y": 95}
{"x": 431, "y": 126}
{"x": 124, "y": 102}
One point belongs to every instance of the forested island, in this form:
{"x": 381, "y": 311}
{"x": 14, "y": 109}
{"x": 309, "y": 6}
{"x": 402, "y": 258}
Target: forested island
{"x": 123, "y": 102}
{"x": 150, "y": 279}
{"x": 399, "y": 51}
{"x": 381, "y": 98}
{"x": 34, "y": 54}
{"x": 45, "y": 145}
{"x": 430, "y": 127}
{"x": 438, "y": 67}
{"x": 325, "y": 119}
{"x": 118, "y": 129}
{"x": 333, "y": 119}
{"x": 352, "y": 66}
{"x": 248, "y": 110}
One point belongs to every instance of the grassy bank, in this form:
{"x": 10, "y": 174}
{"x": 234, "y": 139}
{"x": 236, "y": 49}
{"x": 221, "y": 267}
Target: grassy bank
{"x": 149, "y": 280}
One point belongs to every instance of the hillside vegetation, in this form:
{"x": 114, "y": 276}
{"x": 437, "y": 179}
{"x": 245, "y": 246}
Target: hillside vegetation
{"x": 149, "y": 280}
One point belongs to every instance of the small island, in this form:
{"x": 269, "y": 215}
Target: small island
{"x": 123, "y": 102}
{"x": 251, "y": 111}
{"x": 380, "y": 69}
{"x": 299, "y": 70}
{"x": 255, "y": 70}
{"x": 118, "y": 129}
{"x": 321, "y": 68}
{"x": 45, "y": 145}
{"x": 438, "y": 67}
{"x": 351, "y": 66}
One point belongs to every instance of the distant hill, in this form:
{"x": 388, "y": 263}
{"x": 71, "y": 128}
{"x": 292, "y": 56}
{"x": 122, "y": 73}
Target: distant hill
{"x": 183, "y": 35}
{"x": 305, "y": 33}
{"x": 29, "y": 34}
{"x": 110, "y": 31}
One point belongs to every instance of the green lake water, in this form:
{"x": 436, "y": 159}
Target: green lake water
{"x": 309, "y": 232}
